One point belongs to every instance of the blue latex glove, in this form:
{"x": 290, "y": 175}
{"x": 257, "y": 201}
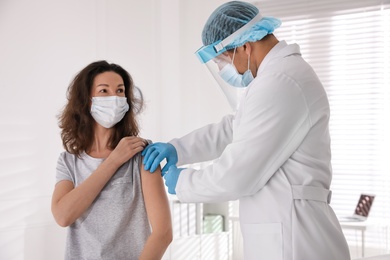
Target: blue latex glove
{"x": 155, "y": 153}
{"x": 171, "y": 178}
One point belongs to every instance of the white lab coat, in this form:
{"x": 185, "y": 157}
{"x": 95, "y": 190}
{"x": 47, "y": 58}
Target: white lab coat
{"x": 274, "y": 156}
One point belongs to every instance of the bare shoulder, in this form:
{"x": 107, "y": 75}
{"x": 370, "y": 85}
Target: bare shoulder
{"x": 151, "y": 178}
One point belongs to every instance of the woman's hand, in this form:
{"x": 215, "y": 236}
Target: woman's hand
{"x": 126, "y": 149}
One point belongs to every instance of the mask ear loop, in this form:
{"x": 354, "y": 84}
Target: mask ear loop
{"x": 234, "y": 54}
{"x": 249, "y": 58}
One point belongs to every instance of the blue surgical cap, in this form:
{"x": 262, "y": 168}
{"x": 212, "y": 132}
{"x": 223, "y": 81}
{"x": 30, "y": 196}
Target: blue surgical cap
{"x": 230, "y": 17}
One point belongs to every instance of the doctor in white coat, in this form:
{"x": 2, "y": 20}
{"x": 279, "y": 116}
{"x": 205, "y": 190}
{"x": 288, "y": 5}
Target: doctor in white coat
{"x": 273, "y": 154}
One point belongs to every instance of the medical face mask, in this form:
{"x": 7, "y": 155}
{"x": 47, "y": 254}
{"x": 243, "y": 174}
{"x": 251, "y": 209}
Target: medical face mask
{"x": 108, "y": 111}
{"x": 230, "y": 74}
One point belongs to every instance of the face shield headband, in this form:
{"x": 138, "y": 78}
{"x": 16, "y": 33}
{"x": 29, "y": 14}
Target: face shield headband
{"x": 209, "y": 52}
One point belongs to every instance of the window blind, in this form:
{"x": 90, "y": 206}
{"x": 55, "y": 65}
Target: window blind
{"x": 348, "y": 44}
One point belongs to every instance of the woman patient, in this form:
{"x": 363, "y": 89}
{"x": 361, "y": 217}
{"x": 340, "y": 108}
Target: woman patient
{"x": 114, "y": 208}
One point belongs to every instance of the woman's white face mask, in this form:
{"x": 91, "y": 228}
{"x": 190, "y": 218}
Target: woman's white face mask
{"x": 108, "y": 111}
{"x": 230, "y": 74}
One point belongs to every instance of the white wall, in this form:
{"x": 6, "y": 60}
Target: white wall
{"x": 191, "y": 97}
{"x": 202, "y": 100}
{"x": 43, "y": 44}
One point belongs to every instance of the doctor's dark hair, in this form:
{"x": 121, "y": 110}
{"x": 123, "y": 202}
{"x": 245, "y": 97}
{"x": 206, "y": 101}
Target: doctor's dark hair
{"x": 76, "y": 121}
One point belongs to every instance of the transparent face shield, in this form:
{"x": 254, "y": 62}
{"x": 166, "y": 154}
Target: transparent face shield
{"x": 220, "y": 65}
{"x": 218, "y": 69}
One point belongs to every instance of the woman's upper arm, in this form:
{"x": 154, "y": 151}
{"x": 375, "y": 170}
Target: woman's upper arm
{"x": 156, "y": 200}
{"x": 61, "y": 189}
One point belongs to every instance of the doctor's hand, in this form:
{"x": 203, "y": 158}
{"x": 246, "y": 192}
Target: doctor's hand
{"x": 155, "y": 153}
{"x": 171, "y": 178}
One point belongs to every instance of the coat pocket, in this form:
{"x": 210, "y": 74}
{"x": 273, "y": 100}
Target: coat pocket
{"x": 263, "y": 241}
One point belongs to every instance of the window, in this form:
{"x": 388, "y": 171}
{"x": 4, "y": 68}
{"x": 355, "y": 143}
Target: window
{"x": 348, "y": 45}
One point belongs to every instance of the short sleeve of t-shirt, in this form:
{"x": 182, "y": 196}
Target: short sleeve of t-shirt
{"x": 62, "y": 169}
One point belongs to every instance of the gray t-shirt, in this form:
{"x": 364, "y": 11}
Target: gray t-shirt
{"x": 116, "y": 225}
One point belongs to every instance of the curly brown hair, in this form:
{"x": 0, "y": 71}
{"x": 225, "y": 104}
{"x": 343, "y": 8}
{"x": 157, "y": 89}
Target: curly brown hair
{"x": 75, "y": 119}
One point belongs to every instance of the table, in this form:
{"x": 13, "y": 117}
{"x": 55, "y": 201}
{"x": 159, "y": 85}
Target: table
{"x": 379, "y": 257}
{"x": 357, "y": 225}
{"x": 362, "y": 227}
